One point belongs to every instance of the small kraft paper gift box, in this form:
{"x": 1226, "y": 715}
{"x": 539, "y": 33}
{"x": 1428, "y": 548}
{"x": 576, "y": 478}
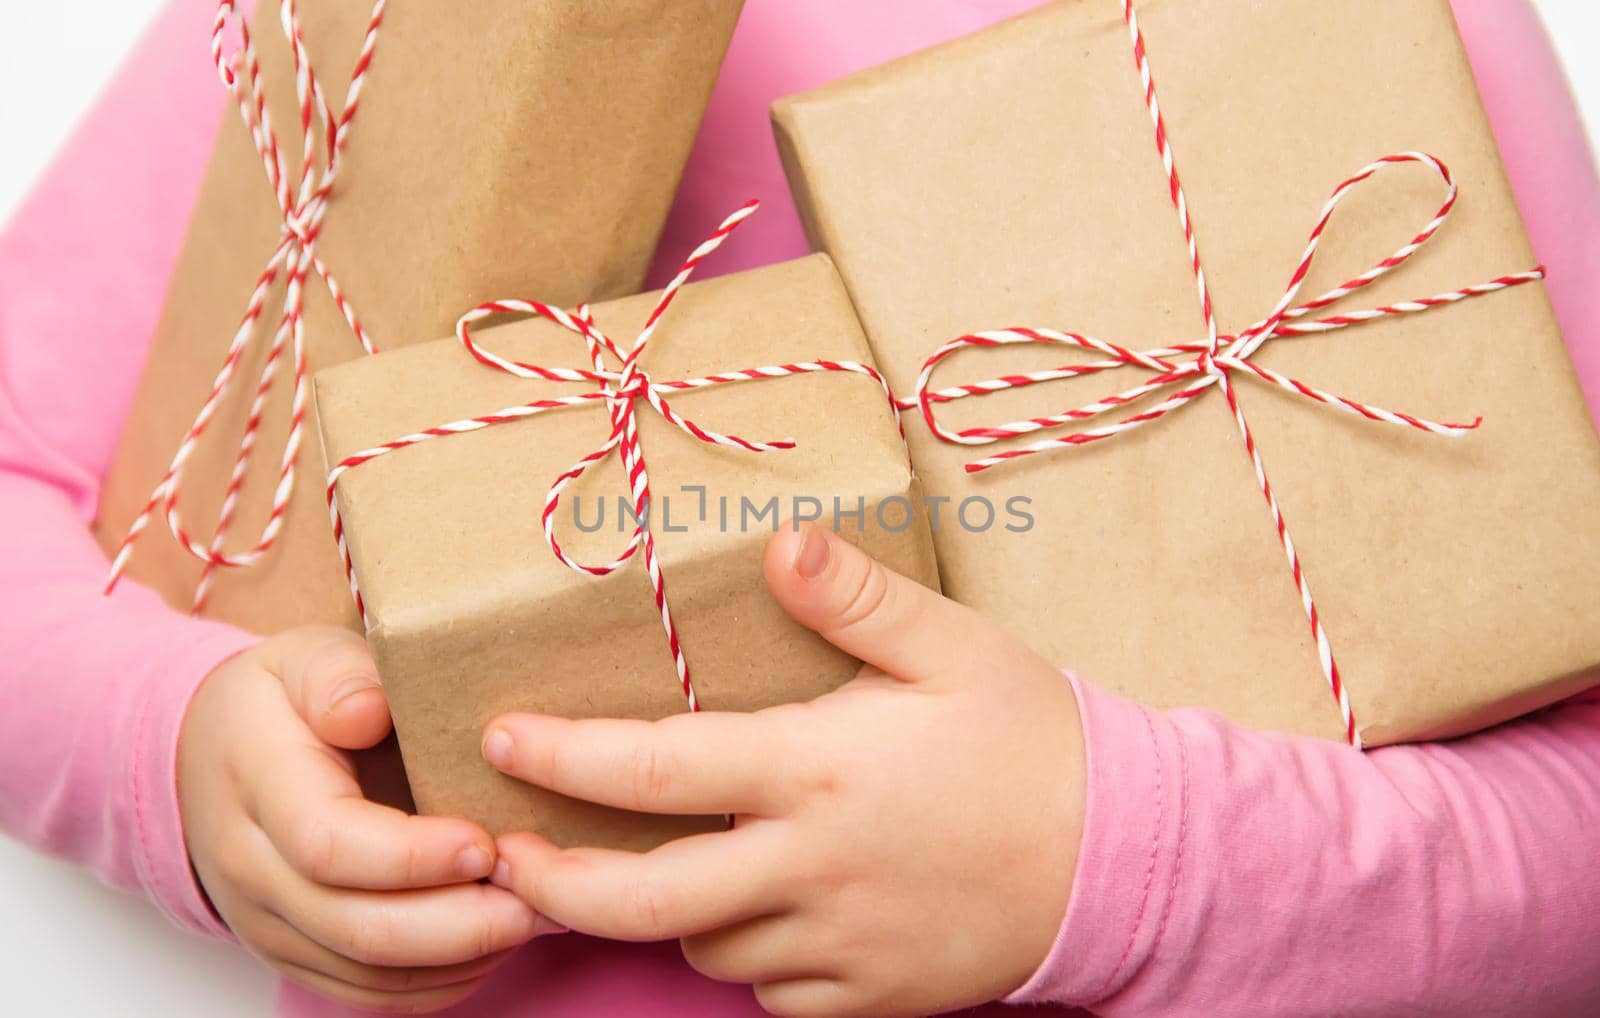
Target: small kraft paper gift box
{"x": 1078, "y": 244}
{"x": 458, "y": 151}
{"x": 494, "y": 530}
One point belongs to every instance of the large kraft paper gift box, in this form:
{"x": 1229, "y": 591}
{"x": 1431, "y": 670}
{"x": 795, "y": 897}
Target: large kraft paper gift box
{"x": 471, "y": 615}
{"x": 521, "y": 145}
{"x": 1011, "y": 179}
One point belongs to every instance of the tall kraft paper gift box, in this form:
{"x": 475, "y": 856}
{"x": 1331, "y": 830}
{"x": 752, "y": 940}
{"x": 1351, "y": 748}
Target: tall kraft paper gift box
{"x": 471, "y": 614}
{"x": 498, "y": 145}
{"x": 1011, "y": 179}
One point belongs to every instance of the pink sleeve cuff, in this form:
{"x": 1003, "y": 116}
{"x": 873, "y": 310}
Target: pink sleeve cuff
{"x": 188, "y": 652}
{"x": 1235, "y": 872}
{"x": 1135, "y": 812}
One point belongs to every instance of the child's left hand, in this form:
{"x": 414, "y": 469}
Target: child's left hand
{"x": 904, "y": 845}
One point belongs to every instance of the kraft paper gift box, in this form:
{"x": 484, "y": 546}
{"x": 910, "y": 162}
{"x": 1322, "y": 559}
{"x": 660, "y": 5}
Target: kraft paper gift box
{"x": 521, "y": 145}
{"x": 1011, "y": 179}
{"x": 471, "y": 615}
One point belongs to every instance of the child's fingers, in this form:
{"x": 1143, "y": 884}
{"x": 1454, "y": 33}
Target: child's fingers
{"x": 282, "y": 945}
{"x": 408, "y": 929}
{"x": 680, "y": 889}
{"x": 346, "y": 841}
{"x": 380, "y": 1001}
{"x": 312, "y": 810}
{"x": 685, "y": 763}
{"x": 333, "y": 684}
{"x": 809, "y": 997}
{"x": 770, "y": 949}
{"x": 866, "y": 609}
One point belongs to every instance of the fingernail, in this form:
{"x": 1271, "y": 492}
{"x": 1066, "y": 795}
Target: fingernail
{"x": 350, "y": 688}
{"x": 497, "y": 748}
{"x": 472, "y": 862}
{"x": 812, "y": 558}
{"x": 500, "y": 876}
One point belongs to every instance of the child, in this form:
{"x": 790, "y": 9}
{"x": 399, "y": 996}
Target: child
{"x": 1129, "y": 861}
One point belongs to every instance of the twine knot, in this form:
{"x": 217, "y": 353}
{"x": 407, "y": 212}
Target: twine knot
{"x": 301, "y": 207}
{"x": 620, "y": 391}
{"x": 1186, "y": 370}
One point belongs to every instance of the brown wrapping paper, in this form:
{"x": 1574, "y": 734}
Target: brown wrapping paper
{"x": 1010, "y": 178}
{"x": 471, "y": 615}
{"x": 501, "y": 147}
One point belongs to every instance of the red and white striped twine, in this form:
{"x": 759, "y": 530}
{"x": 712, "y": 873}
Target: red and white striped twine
{"x": 620, "y": 391}
{"x": 302, "y": 205}
{"x": 1196, "y": 367}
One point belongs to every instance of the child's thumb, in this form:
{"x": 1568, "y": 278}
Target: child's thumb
{"x": 866, "y": 609}
{"x": 331, "y": 681}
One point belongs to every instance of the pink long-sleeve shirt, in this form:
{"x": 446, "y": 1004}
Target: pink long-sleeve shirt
{"x": 1221, "y": 871}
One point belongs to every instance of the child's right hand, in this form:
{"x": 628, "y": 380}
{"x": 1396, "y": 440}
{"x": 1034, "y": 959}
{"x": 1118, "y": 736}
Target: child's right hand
{"x": 359, "y": 902}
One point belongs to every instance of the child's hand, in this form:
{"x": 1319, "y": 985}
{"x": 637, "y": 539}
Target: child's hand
{"x": 905, "y": 845}
{"x": 357, "y": 901}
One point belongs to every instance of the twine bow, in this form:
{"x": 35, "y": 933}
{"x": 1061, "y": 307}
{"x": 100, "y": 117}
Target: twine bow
{"x": 302, "y": 206}
{"x": 620, "y": 391}
{"x": 1196, "y": 367}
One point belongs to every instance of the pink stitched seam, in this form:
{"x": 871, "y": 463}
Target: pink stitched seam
{"x": 1150, "y": 871}
{"x": 136, "y": 775}
{"x": 1183, "y": 829}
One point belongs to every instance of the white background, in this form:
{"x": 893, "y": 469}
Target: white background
{"x": 68, "y": 946}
